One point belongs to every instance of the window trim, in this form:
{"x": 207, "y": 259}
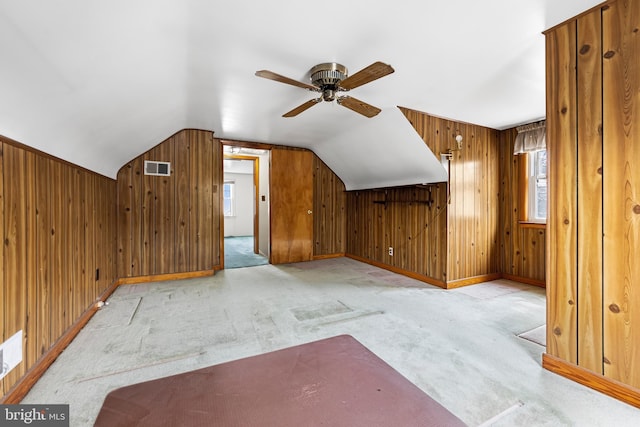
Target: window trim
{"x": 523, "y": 162}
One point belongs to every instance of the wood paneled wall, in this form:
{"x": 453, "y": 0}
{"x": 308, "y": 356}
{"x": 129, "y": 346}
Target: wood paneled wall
{"x": 58, "y": 247}
{"x": 329, "y": 211}
{"x": 171, "y": 224}
{"x": 522, "y": 249}
{"x": 593, "y": 122}
{"x": 412, "y": 220}
{"x": 461, "y": 233}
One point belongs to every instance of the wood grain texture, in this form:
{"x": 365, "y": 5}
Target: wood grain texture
{"x": 464, "y": 241}
{"x": 593, "y": 380}
{"x": 171, "y": 224}
{"x": 621, "y": 97}
{"x": 48, "y": 251}
{"x": 522, "y": 249}
{"x": 15, "y": 233}
{"x": 329, "y": 207}
{"x": 589, "y": 122}
{"x": 408, "y": 219}
{"x": 291, "y": 195}
{"x": 562, "y": 193}
{"x": 20, "y": 389}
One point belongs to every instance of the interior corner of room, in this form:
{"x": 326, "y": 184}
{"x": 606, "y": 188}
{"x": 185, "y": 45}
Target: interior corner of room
{"x": 422, "y": 211}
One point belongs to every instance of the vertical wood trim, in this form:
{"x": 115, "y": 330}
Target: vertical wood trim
{"x": 621, "y": 157}
{"x": 3, "y": 334}
{"x": 589, "y": 66}
{"x": 43, "y": 251}
{"x": 256, "y": 207}
{"x": 217, "y": 217}
{"x": 562, "y": 219}
{"x": 522, "y": 161}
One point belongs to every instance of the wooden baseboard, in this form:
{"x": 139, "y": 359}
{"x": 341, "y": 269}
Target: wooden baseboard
{"x": 411, "y": 274}
{"x": 593, "y": 380}
{"x": 328, "y": 256}
{"x": 528, "y": 281}
{"x": 22, "y": 387}
{"x": 162, "y": 277}
{"x": 453, "y": 284}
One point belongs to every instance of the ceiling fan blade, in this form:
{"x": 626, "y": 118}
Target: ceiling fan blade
{"x": 300, "y": 108}
{"x": 358, "y": 106}
{"x": 282, "y": 79}
{"x": 366, "y": 75}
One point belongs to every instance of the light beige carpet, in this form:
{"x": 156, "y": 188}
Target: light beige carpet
{"x": 537, "y": 335}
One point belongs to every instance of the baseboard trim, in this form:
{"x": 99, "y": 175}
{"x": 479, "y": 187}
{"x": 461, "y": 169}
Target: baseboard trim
{"x": 22, "y": 387}
{"x": 328, "y": 256}
{"x": 593, "y": 380}
{"x": 411, "y": 274}
{"x": 528, "y": 281}
{"x": 453, "y": 284}
{"x": 162, "y": 277}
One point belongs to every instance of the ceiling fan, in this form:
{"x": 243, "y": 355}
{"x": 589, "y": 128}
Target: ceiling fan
{"x": 331, "y": 78}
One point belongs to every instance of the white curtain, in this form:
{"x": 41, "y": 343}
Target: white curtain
{"x": 531, "y": 137}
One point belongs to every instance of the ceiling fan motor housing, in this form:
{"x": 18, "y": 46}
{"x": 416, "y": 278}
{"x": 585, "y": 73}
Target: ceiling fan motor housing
{"x": 327, "y": 76}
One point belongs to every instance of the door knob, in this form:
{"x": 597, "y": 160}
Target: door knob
{"x": 309, "y": 212}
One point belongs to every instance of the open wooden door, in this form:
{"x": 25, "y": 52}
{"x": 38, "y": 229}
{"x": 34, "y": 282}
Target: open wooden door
{"x": 291, "y": 206}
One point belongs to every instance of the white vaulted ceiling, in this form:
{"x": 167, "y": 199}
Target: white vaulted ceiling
{"x": 99, "y": 82}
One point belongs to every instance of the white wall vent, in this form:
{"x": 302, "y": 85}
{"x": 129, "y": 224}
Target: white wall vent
{"x": 157, "y": 168}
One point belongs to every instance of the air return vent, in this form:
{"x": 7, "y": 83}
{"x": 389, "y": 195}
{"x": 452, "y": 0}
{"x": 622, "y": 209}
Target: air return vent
{"x": 157, "y": 168}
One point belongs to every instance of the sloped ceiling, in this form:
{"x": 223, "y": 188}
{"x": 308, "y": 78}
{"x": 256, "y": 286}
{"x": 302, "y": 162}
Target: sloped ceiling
{"x": 99, "y": 82}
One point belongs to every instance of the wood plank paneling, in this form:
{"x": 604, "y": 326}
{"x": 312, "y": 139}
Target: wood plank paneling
{"x": 182, "y": 205}
{"x": 409, "y": 219}
{"x": 31, "y": 271}
{"x": 621, "y": 96}
{"x": 170, "y": 224}
{"x": 47, "y": 228}
{"x": 562, "y": 170}
{"x": 589, "y": 128}
{"x": 125, "y": 219}
{"x": 15, "y": 298}
{"x": 521, "y": 248}
{"x": 463, "y": 240}
{"x": 165, "y": 215}
{"x": 329, "y": 211}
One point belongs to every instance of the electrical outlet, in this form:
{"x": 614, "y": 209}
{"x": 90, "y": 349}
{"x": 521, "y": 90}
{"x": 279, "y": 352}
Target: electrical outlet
{"x": 390, "y": 250}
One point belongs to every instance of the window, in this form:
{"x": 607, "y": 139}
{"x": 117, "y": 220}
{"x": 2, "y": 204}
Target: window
{"x": 228, "y": 195}
{"x": 537, "y": 186}
{"x": 532, "y": 205}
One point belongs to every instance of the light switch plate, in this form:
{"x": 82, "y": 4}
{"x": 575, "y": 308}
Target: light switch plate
{"x": 10, "y": 353}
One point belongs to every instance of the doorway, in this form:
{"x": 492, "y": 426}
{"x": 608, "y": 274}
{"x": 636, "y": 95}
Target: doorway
{"x": 245, "y": 205}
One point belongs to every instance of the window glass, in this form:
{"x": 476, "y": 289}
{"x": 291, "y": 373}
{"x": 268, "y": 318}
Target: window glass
{"x": 227, "y": 194}
{"x": 538, "y": 186}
